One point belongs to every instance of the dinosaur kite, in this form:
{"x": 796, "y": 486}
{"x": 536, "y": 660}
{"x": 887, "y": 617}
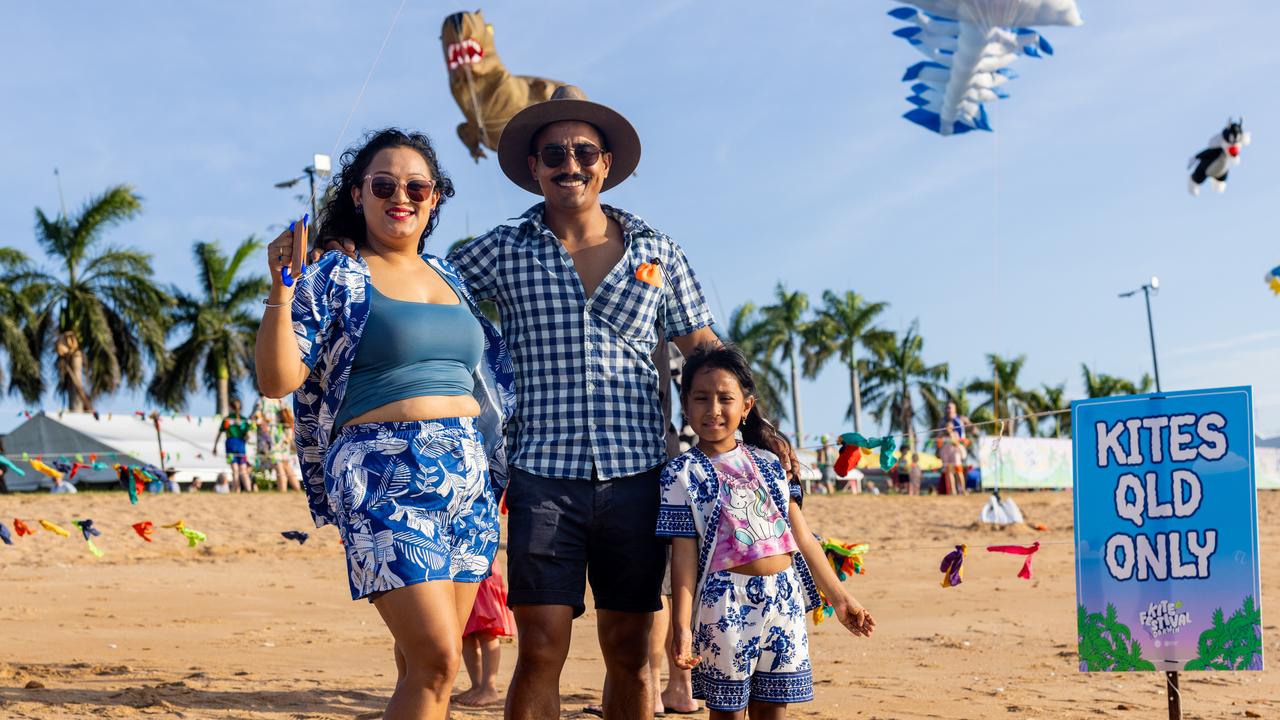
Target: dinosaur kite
{"x": 488, "y": 94}
{"x": 969, "y": 45}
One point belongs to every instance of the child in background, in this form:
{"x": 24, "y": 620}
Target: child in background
{"x": 914, "y": 475}
{"x": 222, "y": 486}
{"x": 481, "y": 652}
{"x": 744, "y": 563}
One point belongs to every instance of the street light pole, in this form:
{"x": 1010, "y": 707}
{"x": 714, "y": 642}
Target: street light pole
{"x": 1147, "y": 288}
{"x": 1146, "y": 295}
{"x": 321, "y": 166}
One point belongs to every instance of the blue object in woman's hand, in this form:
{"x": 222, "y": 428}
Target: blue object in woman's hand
{"x": 285, "y": 277}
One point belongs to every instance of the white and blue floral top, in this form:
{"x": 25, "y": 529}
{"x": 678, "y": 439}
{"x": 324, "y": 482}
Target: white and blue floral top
{"x": 692, "y": 502}
{"x": 330, "y": 308}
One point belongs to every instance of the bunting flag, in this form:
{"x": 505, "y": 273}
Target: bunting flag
{"x": 852, "y": 443}
{"x": 1028, "y": 550}
{"x": 14, "y": 468}
{"x": 298, "y": 535}
{"x": 21, "y": 528}
{"x": 54, "y": 528}
{"x": 4, "y": 534}
{"x": 192, "y": 536}
{"x": 86, "y": 528}
{"x": 823, "y": 611}
{"x": 93, "y": 548}
{"x": 845, "y": 558}
{"x": 43, "y": 469}
{"x": 144, "y": 529}
{"x": 952, "y": 567}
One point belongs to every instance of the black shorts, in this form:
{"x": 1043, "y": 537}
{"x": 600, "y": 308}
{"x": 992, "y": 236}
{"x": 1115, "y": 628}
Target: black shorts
{"x": 562, "y": 532}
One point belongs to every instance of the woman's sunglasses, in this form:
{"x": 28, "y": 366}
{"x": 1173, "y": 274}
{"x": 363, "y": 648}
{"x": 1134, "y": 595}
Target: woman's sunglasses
{"x": 553, "y": 156}
{"x": 384, "y": 186}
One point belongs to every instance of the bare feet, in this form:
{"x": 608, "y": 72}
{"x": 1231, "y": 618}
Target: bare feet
{"x": 478, "y": 697}
{"x": 675, "y": 703}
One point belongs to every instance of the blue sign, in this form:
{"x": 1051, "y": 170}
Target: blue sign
{"x": 1166, "y": 530}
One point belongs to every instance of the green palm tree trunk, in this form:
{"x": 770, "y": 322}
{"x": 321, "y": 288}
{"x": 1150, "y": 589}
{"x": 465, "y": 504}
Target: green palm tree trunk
{"x": 795, "y": 399}
{"x": 78, "y": 401}
{"x": 856, "y": 386}
{"x": 224, "y": 389}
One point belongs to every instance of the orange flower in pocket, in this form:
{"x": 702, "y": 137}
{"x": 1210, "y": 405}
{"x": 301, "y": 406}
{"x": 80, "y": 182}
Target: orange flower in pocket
{"x": 649, "y": 273}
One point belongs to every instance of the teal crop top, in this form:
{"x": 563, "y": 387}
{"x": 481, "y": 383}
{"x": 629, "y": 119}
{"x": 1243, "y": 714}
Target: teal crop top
{"x": 411, "y": 349}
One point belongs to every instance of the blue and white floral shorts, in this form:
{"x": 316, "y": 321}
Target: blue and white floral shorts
{"x": 750, "y": 633}
{"x": 413, "y": 503}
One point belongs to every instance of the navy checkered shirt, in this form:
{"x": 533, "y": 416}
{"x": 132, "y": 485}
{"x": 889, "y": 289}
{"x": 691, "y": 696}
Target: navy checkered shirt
{"x": 586, "y": 386}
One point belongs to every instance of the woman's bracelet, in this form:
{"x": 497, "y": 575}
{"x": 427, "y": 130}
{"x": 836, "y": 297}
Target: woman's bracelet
{"x": 269, "y": 304}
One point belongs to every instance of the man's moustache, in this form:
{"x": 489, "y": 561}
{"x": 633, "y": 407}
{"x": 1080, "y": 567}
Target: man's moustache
{"x": 571, "y": 176}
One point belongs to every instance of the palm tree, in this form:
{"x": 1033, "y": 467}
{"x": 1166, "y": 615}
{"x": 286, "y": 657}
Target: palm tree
{"x": 783, "y": 325}
{"x": 747, "y": 332}
{"x": 18, "y": 294}
{"x": 844, "y": 323}
{"x": 1098, "y": 385}
{"x": 895, "y": 374}
{"x": 1005, "y": 397}
{"x": 101, "y": 313}
{"x": 220, "y": 323}
{"x": 1051, "y": 399}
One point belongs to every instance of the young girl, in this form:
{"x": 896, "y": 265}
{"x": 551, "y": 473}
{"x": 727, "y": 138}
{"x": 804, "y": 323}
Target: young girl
{"x": 741, "y": 547}
{"x": 481, "y": 652}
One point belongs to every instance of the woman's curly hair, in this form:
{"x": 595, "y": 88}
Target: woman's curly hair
{"x": 339, "y": 219}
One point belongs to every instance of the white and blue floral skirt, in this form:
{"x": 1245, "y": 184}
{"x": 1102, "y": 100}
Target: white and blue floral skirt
{"x": 750, "y": 633}
{"x": 413, "y": 503}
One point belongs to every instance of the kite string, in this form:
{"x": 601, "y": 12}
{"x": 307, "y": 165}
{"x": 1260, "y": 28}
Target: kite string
{"x": 942, "y": 430}
{"x": 360, "y": 96}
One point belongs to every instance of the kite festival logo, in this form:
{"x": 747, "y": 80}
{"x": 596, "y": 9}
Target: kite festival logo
{"x": 1164, "y": 617}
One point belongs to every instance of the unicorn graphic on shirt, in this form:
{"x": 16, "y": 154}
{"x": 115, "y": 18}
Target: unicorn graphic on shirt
{"x": 750, "y": 505}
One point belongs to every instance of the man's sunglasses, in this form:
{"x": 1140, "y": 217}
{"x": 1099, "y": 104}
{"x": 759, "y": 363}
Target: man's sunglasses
{"x": 384, "y": 186}
{"x": 553, "y": 156}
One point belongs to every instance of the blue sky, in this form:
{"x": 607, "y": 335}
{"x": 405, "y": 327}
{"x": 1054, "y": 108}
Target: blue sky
{"x": 774, "y": 151}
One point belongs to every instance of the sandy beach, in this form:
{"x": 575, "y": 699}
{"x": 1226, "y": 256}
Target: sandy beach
{"x": 250, "y": 625}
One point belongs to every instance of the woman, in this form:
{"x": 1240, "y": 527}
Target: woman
{"x": 274, "y": 424}
{"x": 952, "y": 453}
{"x": 399, "y": 437}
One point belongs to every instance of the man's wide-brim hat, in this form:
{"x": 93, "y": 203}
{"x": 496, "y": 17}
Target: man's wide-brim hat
{"x": 567, "y": 103}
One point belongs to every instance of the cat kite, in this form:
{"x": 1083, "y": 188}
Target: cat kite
{"x": 968, "y": 46}
{"x": 1223, "y": 153}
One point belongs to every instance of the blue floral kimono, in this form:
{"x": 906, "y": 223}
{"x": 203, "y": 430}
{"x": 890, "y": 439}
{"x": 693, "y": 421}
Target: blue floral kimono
{"x": 330, "y": 306}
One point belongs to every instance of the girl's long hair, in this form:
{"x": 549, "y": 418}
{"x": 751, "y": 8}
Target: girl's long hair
{"x": 757, "y": 430}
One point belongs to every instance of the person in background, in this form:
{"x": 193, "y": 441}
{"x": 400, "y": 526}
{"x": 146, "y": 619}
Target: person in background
{"x": 828, "y": 479}
{"x": 62, "y": 487}
{"x": 914, "y": 475}
{"x": 196, "y": 484}
{"x": 901, "y": 472}
{"x": 481, "y": 650}
{"x": 222, "y": 486}
{"x": 952, "y": 453}
{"x": 236, "y": 427}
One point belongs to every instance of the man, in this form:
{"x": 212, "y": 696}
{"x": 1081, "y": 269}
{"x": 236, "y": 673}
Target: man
{"x": 587, "y": 439}
{"x": 236, "y": 427}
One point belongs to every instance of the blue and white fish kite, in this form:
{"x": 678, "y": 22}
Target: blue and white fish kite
{"x": 969, "y": 45}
